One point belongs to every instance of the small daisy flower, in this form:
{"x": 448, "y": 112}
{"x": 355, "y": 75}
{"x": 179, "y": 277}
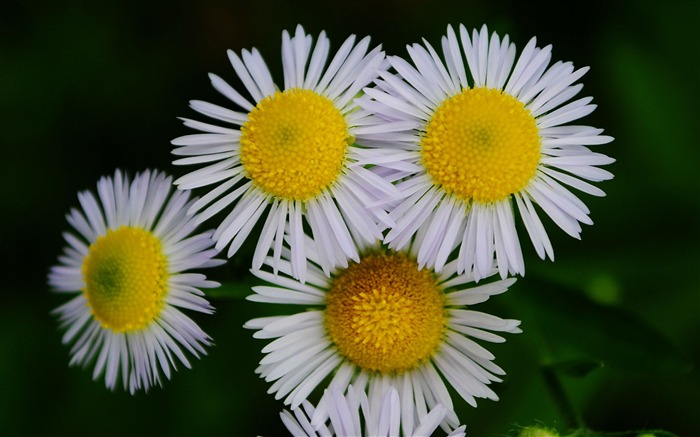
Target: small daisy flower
{"x": 487, "y": 137}
{"x": 125, "y": 264}
{"x": 292, "y": 153}
{"x": 381, "y": 322}
{"x": 346, "y": 414}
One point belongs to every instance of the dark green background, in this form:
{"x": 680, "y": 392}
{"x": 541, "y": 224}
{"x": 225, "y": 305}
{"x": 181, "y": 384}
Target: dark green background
{"x": 89, "y": 87}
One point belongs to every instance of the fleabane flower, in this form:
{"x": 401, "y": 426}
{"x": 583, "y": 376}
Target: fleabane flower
{"x": 292, "y": 154}
{"x": 125, "y": 266}
{"x": 487, "y": 137}
{"x": 378, "y": 323}
{"x": 353, "y": 414}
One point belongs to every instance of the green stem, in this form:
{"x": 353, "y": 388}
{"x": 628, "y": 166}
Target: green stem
{"x": 556, "y": 390}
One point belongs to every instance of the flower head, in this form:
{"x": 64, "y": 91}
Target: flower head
{"x": 479, "y": 140}
{"x": 379, "y": 323}
{"x": 292, "y": 154}
{"x": 125, "y": 265}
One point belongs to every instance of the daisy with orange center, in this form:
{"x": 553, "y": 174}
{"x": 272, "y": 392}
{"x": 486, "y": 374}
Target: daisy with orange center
{"x": 378, "y": 324}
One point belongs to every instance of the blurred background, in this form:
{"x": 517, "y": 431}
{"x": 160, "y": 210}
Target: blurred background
{"x": 87, "y": 87}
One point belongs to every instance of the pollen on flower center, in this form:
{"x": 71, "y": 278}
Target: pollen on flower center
{"x": 481, "y": 144}
{"x": 384, "y": 314}
{"x": 125, "y": 274}
{"x": 293, "y": 144}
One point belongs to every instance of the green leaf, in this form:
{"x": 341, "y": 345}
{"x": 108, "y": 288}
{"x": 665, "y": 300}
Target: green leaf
{"x": 577, "y": 368}
{"x": 237, "y": 290}
{"x": 574, "y": 329}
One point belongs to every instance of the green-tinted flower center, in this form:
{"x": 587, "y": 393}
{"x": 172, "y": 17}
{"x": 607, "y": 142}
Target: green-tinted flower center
{"x": 126, "y": 275}
{"x": 481, "y": 144}
{"x": 293, "y": 144}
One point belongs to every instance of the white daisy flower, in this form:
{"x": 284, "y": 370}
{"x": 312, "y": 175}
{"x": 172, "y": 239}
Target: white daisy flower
{"x": 381, "y": 322}
{"x": 124, "y": 264}
{"x": 483, "y": 139}
{"x": 347, "y": 414}
{"x": 292, "y": 154}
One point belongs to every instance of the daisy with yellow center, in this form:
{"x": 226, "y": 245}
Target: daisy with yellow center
{"x": 125, "y": 264}
{"x": 484, "y": 138}
{"x": 292, "y": 154}
{"x": 380, "y": 323}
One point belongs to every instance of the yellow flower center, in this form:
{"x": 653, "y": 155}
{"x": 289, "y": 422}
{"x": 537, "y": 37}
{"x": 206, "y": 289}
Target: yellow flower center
{"x": 125, "y": 274}
{"x": 481, "y": 144}
{"x": 386, "y": 315}
{"x": 293, "y": 144}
